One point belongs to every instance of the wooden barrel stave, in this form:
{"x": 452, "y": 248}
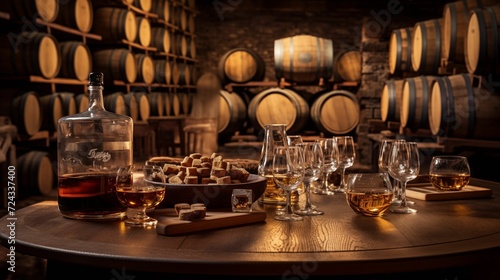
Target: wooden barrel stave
{"x": 414, "y": 103}
{"x": 77, "y": 14}
{"x": 82, "y": 102}
{"x": 232, "y": 113}
{"x": 143, "y": 105}
{"x": 36, "y": 174}
{"x": 131, "y": 106}
{"x": 240, "y": 65}
{"x": 145, "y": 68}
{"x": 426, "y": 46}
{"x": 143, "y": 36}
{"x": 115, "y": 103}
{"x": 156, "y": 103}
{"x": 26, "y": 113}
{"x": 115, "y": 24}
{"x": 163, "y": 72}
{"x": 347, "y": 66}
{"x": 116, "y": 64}
{"x": 68, "y": 103}
{"x": 52, "y": 111}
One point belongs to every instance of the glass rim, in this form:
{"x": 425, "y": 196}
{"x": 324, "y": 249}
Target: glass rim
{"x": 449, "y": 157}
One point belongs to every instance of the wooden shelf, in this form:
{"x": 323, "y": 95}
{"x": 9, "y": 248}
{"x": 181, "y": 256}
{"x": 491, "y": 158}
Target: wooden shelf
{"x": 68, "y": 30}
{"x": 62, "y": 81}
{"x": 139, "y": 46}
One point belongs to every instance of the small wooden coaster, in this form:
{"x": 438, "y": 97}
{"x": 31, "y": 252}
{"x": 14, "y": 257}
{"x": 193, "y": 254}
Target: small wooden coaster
{"x": 428, "y": 192}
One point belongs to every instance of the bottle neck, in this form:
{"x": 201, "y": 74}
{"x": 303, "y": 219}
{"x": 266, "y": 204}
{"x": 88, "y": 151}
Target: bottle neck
{"x": 96, "y": 99}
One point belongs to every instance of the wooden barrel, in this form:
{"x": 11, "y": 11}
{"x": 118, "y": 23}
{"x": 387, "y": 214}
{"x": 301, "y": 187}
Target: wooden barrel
{"x": 179, "y": 17}
{"x": 426, "y": 46}
{"x": 336, "y": 112}
{"x": 143, "y": 105}
{"x": 347, "y": 66}
{"x": 482, "y": 47}
{"x": 175, "y": 73}
{"x": 191, "y": 23}
{"x": 145, "y": 68}
{"x": 131, "y": 106}
{"x": 277, "y": 105}
{"x": 232, "y": 113}
{"x": 455, "y": 18}
{"x": 115, "y": 24}
{"x": 191, "y": 47}
{"x": 82, "y": 102}
{"x": 68, "y": 103}
{"x": 186, "y": 100}
{"x": 400, "y": 51}
{"x": 115, "y": 103}
{"x": 184, "y": 74}
{"x": 76, "y": 60}
{"x": 52, "y": 111}
{"x": 156, "y": 104}
{"x": 459, "y": 110}
{"x": 144, "y": 5}
{"x": 193, "y": 73}
{"x": 414, "y": 112}
{"x": 390, "y": 100}
{"x": 168, "y": 99}
{"x": 143, "y": 31}
{"x": 163, "y": 10}
{"x": 26, "y": 113}
{"x": 303, "y": 58}
{"x": 77, "y": 14}
{"x": 35, "y": 174}
{"x": 47, "y": 10}
{"x": 180, "y": 45}
{"x": 176, "y": 104}
{"x": 241, "y": 65}
{"x": 163, "y": 71}
{"x": 32, "y": 54}
{"x": 160, "y": 39}
{"x": 116, "y": 64}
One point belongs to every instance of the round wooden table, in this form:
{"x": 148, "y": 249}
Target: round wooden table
{"x": 444, "y": 239}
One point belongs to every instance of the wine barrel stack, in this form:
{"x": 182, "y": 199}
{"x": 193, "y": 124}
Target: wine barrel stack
{"x": 442, "y": 71}
{"x": 301, "y": 60}
{"x": 145, "y": 48}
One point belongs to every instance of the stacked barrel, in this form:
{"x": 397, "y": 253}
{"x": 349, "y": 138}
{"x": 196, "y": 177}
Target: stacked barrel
{"x": 300, "y": 60}
{"x": 442, "y": 71}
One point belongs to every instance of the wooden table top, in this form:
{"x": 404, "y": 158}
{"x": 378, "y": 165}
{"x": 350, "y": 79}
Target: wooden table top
{"x": 441, "y": 234}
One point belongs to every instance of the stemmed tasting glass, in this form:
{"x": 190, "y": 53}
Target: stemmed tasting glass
{"x": 288, "y": 174}
{"x": 330, "y": 164}
{"x": 404, "y": 166}
{"x": 383, "y": 166}
{"x": 140, "y": 188}
{"x": 347, "y": 154}
{"x": 313, "y": 167}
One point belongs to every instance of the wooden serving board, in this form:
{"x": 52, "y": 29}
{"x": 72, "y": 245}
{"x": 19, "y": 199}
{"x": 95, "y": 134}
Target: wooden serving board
{"x": 169, "y": 223}
{"x": 428, "y": 192}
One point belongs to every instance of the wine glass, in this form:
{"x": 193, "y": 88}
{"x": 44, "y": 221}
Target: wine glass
{"x": 140, "y": 188}
{"x": 330, "y": 164}
{"x": 449, "y": 173}
{"x": 347, "y": 154}
{"x": 404, "y": 166}
{"x": 369, "y": 194}
{"x": 383, "y": 166}
{"x": 288, "y": 173}
{"x": 313, "y": 167}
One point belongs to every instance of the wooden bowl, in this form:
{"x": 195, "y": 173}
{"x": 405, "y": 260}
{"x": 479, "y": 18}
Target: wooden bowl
{"x": 213, "y": 196}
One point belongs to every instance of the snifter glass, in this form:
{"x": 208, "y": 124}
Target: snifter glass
{"x": 449, "y": 173}
{"x": 92, "y": 145}
{"x": 369, "y": 194}
{"x": 140, "y": 188}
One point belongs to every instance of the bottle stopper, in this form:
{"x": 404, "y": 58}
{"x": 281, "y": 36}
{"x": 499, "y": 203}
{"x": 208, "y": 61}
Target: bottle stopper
{"x": 96, "y": 79}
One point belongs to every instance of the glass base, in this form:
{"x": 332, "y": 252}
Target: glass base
{"x": 289, "y": 218}
{"x": 309, "y": 212}
{"x": 323, "y": 191}
{"x": 141, "y": 222}
{"x": 403, "y": 210}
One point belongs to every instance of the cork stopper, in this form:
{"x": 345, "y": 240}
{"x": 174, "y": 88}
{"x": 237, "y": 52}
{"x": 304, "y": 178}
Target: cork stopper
{"x": 96, "y": 79}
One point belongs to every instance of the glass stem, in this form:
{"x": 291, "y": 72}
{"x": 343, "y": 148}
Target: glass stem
{"x": 403, "y": 194}
{"x": 325, "y": 179}
{"x": 342, "y": 174}
{"x": 141, "y": 214}
{"x": 308, "y": 195}
{"x": 288, "y": 203}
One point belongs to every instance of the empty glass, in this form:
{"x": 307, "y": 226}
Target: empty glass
{"x": 347, "y": 154}
{"x": 404, "y": 166}
{"x": 313, "y": 167}
{"x": 330, "y": 164}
